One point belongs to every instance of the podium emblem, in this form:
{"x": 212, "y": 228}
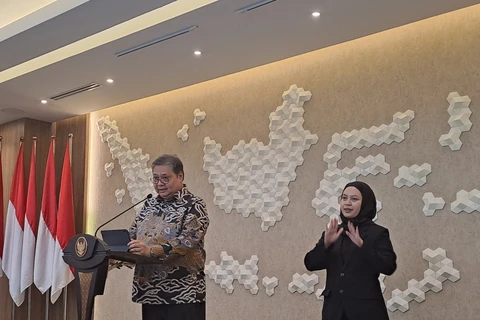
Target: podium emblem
{"x": 81, "y": 247}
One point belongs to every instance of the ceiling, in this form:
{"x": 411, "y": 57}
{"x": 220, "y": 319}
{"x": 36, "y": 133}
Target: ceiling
{"x": 13, "y": 11}
{"x": 20, "y": 15}
{"x": 73, "y": 47}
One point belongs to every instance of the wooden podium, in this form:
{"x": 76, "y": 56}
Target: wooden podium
{"x": 90, "y": 257}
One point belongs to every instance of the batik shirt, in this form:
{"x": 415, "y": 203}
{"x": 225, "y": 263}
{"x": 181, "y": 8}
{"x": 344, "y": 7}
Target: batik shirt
{"x": 182, "y": 222}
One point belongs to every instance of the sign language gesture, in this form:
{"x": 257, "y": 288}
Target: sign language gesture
{"x": 332, "y": 233}
{"x": 353, "y": 234}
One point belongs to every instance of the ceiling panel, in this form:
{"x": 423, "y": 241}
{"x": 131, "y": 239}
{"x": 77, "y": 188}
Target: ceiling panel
{"x": 230, "y": 42}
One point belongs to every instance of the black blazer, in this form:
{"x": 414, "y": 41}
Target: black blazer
{"x": 352, "y": 278}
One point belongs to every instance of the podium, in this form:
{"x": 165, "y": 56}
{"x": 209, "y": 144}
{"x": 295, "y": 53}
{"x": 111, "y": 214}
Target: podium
{"x": 90, "y": 257}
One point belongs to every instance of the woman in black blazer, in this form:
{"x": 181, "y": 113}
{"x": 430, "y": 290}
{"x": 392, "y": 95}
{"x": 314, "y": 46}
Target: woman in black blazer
{"x": 354, "y": 254}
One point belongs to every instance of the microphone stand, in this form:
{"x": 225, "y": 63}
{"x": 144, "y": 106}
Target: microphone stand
{"x": 118, "y": 215}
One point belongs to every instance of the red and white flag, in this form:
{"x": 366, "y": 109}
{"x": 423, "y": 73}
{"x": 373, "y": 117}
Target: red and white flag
{"x": 47, "y": 227}
{"x": 63, "y": 274}
{"x": 12, "y": 250}
{"x": 2, "y": 236}
{"x": 30, "y": 227}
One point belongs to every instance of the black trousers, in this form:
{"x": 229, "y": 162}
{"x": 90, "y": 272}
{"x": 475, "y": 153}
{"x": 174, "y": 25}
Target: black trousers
{"x": 186, "y": 311}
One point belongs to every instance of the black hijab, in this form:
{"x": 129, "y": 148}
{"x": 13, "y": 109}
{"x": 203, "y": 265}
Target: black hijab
{"x": 368, "y": 209}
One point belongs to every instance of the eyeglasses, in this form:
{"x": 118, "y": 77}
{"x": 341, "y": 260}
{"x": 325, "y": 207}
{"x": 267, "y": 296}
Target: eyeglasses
{"x": 162, "y": 179}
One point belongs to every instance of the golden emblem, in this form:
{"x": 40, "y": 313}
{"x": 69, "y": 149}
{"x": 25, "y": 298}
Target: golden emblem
{"x": 81, "y": 247}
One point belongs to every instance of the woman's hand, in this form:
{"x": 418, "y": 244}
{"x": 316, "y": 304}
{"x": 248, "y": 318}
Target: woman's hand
{"x": 139, "y": 247}
{"x": 332, "y": 233}
{"x": 353, "y": 234}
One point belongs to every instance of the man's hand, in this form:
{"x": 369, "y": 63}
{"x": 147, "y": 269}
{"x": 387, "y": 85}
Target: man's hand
{"x": 139, "y": 247}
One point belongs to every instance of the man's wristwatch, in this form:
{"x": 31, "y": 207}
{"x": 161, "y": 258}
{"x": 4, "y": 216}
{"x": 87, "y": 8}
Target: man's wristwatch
{"x": 167, "y": 247}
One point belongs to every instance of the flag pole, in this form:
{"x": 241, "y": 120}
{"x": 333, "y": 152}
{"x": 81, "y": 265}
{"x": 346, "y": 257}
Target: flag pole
{"x": 29, "y": 309}
{"x": 29, "y": 294}
{"x": 47, "y": 296}
{"x": 1, "y": 206}
{"x": 70, "y": 138}
{"x": 13, "y": 302}
{"x": 35, "y": 146}
{"x": 65, "y": 292}
{"x": 12, "y": 313}
{"x": 47, "y": 304}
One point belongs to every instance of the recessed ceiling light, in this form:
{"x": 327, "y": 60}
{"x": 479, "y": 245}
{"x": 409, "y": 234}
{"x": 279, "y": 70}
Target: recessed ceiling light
{"x": 110, "y": 80}
{"x": 44, "y": 101}
{"x": 316, "y": 14}
{"x": 197, "y": 53}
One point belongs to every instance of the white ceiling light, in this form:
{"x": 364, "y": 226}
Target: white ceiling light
{"x": 316, "y": 14}
{"x": 197, "y": 53}
{"x": 110, "y": 80}
{"x": 44, "y": 101}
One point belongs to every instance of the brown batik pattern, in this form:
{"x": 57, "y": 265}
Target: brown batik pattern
{"x": 181, "y": 222}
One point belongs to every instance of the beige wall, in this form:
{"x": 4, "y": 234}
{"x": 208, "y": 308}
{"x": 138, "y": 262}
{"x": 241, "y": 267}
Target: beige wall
{"x": 354, "y": 85}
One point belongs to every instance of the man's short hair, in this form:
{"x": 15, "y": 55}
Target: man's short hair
{"x": 171, "y": 160}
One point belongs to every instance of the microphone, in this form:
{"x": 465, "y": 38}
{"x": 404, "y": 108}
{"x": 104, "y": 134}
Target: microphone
{"x": 118, "y": 215}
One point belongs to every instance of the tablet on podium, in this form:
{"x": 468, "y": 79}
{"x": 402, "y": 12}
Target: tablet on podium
{"x": 117, "y": 240}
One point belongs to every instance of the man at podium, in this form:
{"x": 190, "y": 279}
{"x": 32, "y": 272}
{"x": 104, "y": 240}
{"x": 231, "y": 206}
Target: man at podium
{"x": 170, "y": 227}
